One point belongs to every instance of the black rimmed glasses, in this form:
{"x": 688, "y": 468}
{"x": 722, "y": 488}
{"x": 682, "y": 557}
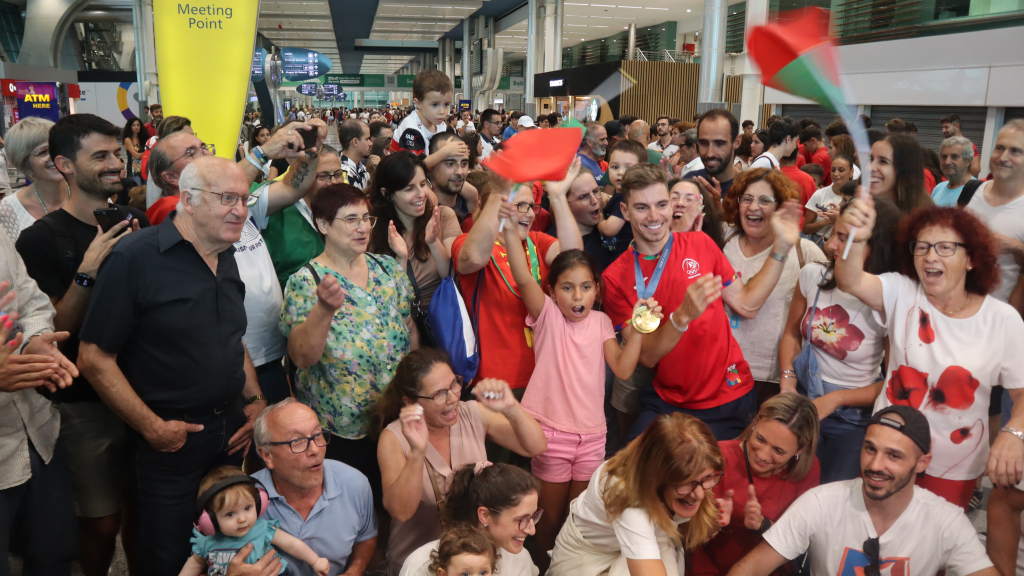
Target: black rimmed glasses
{"x": 338, "y": 175}
{"x": 301, "y": 444}
{"x": 943, "y": 249}
{"x": 523, "y": 522}
{"x": 584, "y": 198}
{"x": 202, "y": 150}
{"x": 441, "y": 396}
{"x": 708, "y": 482}
{"x": 525, "y": 207}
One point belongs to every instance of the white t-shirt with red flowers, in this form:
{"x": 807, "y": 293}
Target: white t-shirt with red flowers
{"x": 845, "y": 335}
{"x": 946, "y": 367}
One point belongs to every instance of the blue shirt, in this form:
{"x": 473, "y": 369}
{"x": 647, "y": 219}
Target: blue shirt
{"x": 943, "y": 195}
{"x": 508, "y": 133}
{"x": 218, "y": 549}
{"x": 594, "y": 167}
{"x": 704, "y": 174}
{"x": 341, "y": 517}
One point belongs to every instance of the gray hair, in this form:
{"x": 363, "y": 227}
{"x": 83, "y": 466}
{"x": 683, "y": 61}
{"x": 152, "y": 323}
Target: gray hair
{"x": 690, "y": 138}
{"x": 160, "y": 162}
{"x": 24, "y": 137}
{"x": 963, "y": 143}
{"x": 329, "y": 150}
{"x": 260, "y": 429}
{"x": 1015, "y": 124}
{"x": 591, "y": 131}
{"x": 189, "y": 184}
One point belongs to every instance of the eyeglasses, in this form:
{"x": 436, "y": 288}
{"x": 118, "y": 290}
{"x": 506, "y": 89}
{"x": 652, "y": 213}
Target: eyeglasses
{"x": 943, "y": 249}
{"x": 228, "y": 198}
{"x": 708, "y": 482}
{"x": 353, "y": 221}
{"x": 326, "y": 176}
{"x": 584, "y": 198}
{"x": 872, "y": 551}
{"x": 441, "y": 396}
{"x": 525, "y": 207}
{"x": 523, "y": 522}
{"x": 300, "y": 445}
{"x": 763, "y": 201}
{"x": 202, "y": 150}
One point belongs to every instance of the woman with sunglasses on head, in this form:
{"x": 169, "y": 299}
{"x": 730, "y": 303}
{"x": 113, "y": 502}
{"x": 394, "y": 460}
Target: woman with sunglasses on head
{"x": 949, "y": 342}
{"x": 749, "y": 206}
{"x": 767, "y": 468}
{"x": 481, "y": 261}
{"x": 347, "y": 317}
{"x": 427, "y": 434}
{"x": 646, "y": 505}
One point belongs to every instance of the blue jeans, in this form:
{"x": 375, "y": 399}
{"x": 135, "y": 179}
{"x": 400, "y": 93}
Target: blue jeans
{"x": 839, "y": 445}
{"x": 40, "y": 515}
{"x": 167, "y": 485}
{"x": 726, "y": 421}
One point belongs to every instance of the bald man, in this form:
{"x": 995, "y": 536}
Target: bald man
{"x": 641, "y": 132}
{"x": 162, "y": 346}
{"x": 326, "y": 504}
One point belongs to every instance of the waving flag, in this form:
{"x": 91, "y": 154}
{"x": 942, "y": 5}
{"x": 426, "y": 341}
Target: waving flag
{"x": 539, "y": 154}
{"x": 799, "y": 58}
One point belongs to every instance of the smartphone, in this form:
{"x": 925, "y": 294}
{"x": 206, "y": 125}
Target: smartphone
{"x": 822, "y": 208}
{"x": 309, "y": 137}
{"x": 108, "y": 217}
{"x": 14, "y": 331}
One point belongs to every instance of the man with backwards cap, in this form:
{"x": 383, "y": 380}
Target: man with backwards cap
{"x": 880, "y": 522}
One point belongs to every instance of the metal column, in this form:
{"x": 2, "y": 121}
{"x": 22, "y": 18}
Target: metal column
{"x": 631, "y": 43}
{"x": 145, "y": 52}
{"x": 559, "y": 18}
{"x": 531, "y": 53}
{"x": 712, "y": 58}
{"x": 467, "y": 78}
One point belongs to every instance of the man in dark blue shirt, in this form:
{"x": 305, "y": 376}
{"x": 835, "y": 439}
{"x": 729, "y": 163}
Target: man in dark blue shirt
{"x": 717, "y": 139}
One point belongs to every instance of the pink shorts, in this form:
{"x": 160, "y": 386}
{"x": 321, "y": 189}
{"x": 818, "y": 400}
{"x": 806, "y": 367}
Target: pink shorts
{"x": 569, "y": 456}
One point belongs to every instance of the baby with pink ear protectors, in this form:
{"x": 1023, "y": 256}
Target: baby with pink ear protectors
{"x": 231, "y": 507}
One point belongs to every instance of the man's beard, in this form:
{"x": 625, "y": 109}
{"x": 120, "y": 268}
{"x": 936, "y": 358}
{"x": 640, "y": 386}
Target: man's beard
{"x": 452, "y": 189}
{"x": 726, "y": 162}
{"x": 96, "y": 187}
{"x": 900, "y": 484}
{"x": 600, "y": 150}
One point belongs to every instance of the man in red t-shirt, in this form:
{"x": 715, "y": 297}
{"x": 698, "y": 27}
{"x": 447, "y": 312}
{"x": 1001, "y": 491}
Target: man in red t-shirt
{"x": 698, "y": 366}
{"x": 157, "y": 111}
{"x": 815, "y": 151}
{"x": 506, "y": 343}
{"x": 804, "y": 182}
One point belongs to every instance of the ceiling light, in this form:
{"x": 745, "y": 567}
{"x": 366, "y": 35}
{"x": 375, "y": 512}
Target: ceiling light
{"x": 687, "y": 9}
{"x": 654, "y": 8}
{"x": 604, "y": 5}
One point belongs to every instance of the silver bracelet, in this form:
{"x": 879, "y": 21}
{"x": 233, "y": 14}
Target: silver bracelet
{"x": 672, "y": 320}
{"x": 779, "y": 256}
{"x": 1014, "y": 431}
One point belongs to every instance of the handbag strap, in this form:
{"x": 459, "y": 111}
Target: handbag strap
{"x": 412, "y": 280}
{"x": 316, "y": 277}
{"x": 439, "y": 498}
{"x": 814, "y": 307}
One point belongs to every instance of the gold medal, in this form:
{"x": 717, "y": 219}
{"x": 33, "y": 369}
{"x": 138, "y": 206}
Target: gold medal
{"x": 644, "y": 321}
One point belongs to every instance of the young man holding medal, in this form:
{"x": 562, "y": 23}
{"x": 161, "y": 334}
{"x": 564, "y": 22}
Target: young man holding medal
{"x": 698, "y": 366}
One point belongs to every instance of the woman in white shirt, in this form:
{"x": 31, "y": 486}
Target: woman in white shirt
{"x": 749, "y": 207}
{"x": 646, "y": 504}
{"x": 501, "y": 501}
{"x": 822, "y": 209}
{"x": 840, "y": 362}
{"x": 949, "y": 342}
{"x": 29, "y": 149}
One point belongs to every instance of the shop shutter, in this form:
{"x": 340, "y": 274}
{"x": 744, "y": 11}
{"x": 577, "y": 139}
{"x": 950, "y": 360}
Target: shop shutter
{"x": 926, "y": 118}
{"x": 800, "y": 111}
{"x": 1013, "y": 114}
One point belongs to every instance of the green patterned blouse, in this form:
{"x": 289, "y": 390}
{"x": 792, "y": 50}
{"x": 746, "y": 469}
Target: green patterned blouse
{"x": 367, "y": 339}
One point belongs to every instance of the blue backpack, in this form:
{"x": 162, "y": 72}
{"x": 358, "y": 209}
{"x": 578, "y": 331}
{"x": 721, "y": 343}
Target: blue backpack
{"x": 452, "y": 328}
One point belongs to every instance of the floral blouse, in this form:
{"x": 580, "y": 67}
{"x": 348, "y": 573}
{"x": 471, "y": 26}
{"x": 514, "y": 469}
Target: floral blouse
{"x": 367, "y": 339}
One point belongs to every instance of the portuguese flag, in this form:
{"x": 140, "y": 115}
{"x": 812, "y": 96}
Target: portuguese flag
{"x": 799, "y": 58}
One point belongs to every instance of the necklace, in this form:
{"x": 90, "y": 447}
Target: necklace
{"x": 966, "y": 303}
{"x": 41, "y": 203}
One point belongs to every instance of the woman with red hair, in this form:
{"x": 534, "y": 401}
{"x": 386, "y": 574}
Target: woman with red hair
{"x": 949, "y": 342}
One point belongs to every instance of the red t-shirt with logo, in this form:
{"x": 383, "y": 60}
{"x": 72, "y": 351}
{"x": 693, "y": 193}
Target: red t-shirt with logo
{"x": 506, "y": 343}
{"x": 706, "y": 369}
{"x": 821, "y": 158}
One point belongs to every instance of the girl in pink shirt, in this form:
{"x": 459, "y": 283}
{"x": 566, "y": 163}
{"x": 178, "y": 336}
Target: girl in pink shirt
{"x": 566, "y": 392}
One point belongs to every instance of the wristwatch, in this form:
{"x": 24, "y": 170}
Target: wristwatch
{"x": 84, "y": 280}
{"x": 255, "y": 398}
{"x": 779, "y": 256}
{"x": 1014, "y": 431}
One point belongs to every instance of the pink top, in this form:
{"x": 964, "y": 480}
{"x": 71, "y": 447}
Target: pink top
{"x": 467, "y": 447}
{"x": 566, "y": 391}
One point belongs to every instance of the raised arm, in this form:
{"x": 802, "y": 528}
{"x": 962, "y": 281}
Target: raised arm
{"x": 569, "y": 236}
{"x": 747, "y": 299}
{"x": 792, "y": 340}
{"x": 307, "y": 340}
{"x": 623, "y": 359}
{"x": 531, "y": 292}
{"x": 300, "y": 178}
{"x": 850, "y": 275}
{"x": 699, "y": 296}
{"x": 476, "y": 251}
{"x": 401, "y": 474}
{"x": 505, "y": 420}
{"x": 286, "y": 143}
{"x": 454, "y": 147}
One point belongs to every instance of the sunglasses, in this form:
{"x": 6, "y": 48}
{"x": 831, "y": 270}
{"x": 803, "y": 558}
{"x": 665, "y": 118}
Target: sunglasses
{"x": 871, "y": 550}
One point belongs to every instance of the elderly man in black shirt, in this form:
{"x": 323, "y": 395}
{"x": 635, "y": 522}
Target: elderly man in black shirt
{"x": 162, "y": 345}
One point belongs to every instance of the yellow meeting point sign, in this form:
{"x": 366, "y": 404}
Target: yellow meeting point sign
{"x": 204, "y": 55}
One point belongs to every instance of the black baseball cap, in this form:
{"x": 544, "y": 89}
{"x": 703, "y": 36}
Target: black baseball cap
{"x": 914, "y": 426}
{"x": 613, "y": 128}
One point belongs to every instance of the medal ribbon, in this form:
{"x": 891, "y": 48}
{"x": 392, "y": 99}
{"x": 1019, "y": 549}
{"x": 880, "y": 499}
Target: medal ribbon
{"x": 644, "y": 291}
{"x": 531, "y": 254}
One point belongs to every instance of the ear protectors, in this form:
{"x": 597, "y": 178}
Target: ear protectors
{"x": 207, "y": 524}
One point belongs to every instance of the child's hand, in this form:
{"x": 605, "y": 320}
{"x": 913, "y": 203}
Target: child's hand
{"x": 322, "y": 566}
{"x": 654, "y": 307}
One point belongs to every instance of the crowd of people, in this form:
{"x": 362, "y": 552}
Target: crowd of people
{"x": 662, "y": 363}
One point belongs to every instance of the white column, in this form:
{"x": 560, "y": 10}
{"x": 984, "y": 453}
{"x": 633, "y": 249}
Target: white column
{"x": 752, "y": 93}
{"x": 994, "y": 119}
{"x": 531, "y": 51}
{"x": 145, "y": 52}
{"x": 712, "y": 59}
{"x": 550, "y": 13}
{"x": 559, "y": 25}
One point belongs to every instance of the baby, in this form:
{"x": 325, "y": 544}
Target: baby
{"x": 463, "y": 552}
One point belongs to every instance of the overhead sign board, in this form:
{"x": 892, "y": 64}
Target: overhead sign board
{"x": 344, "y": 79}
{"x": 302, "y": 64}
{"x": 330, "y": 89}
{"x": 307, "y": 89}
{"x": 259, "y": 55}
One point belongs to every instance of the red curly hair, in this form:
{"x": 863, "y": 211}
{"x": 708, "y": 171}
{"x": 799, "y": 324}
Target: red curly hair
{"x": 783, "y": 188}
{"x": 984, "y": 275}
